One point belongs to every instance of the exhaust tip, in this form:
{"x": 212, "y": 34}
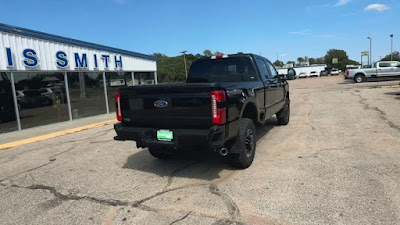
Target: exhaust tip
{"x": 223, "y": 152}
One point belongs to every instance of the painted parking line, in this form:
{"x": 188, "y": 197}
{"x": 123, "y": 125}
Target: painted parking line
{"x": 55, "y": 134}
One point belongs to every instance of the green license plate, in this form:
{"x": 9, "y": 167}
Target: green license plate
{"x": 165, "y": 135}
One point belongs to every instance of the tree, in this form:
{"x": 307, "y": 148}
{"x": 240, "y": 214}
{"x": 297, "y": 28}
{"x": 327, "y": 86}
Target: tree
{"x": 396, "y": 57}
{"x": 300, "y": 59}
{"x": 278, "y": 63}
{"x": 312, "y": 61}
{"x": 207, "y": 53}
{"x": 291, "y": 62}
{"x": 320, "y": 60}
{"x": 172, "y": 69}
{"x": 342, "y": 57}
{"x": 218, "y": 53}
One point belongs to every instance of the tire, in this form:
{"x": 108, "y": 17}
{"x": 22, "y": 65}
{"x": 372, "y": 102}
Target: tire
{"x": 244, "y": 145}
{"x": 161, "y": 153}
{"x": 359, "y": 78}
{"x": 283, "y": 115}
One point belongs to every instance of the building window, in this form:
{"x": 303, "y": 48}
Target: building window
{"x": 115, "y": 80}
{"x": 142, "y": 78}
{"x": 8, "y": 120}
{"x": 86, "y": 92}
{"x": 41, "y": 98}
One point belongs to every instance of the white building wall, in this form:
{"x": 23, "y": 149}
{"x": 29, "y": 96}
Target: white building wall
{"x": 46, "y": 54}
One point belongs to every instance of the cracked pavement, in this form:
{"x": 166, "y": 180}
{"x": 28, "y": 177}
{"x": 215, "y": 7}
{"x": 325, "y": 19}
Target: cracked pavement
{"x": 337, "y": 162}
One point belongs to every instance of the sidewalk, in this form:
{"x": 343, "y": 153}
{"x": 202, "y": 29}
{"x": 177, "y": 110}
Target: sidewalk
{"x": 57, "y": 128}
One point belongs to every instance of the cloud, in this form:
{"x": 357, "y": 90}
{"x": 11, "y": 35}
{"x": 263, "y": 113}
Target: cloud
{"x": 307, "y": 32}
{"x": 301, "y": 32}
{"x": 377, "y": 7}
{"x": 342, "y": 2}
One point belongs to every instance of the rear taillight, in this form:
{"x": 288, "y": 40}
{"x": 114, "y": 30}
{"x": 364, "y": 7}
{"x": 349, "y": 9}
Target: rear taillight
{"x": 218, "y": 114}
{"x": 347, "y": 73}
{"x": 118, "y": 106}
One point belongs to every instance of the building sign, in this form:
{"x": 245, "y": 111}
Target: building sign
{"x": 30, "y": 59}
{"x": 365, "y": 53}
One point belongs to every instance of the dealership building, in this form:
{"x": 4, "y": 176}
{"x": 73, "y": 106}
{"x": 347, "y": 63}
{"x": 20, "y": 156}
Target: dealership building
{"x": 46, "y": 78}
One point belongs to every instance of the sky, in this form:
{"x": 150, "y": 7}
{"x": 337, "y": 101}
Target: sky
{"x": 286, "y": 29}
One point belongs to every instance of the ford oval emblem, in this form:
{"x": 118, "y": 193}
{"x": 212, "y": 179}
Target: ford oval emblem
{"x": 160, "y": 103}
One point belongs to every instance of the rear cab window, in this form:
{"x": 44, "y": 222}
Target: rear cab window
{"x": 384, "y": 64}
{"x": 230, "y": 69}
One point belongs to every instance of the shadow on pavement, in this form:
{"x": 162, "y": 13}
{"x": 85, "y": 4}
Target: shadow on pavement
{"x": 371, "y": 80}
{"x": 394, "y": 93}
{"x": 204, "y": 165}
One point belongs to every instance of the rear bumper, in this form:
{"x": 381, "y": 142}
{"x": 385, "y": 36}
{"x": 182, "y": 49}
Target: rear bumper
{"x": 147, "y": 137}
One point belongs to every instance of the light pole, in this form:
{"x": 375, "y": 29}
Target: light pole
{"x": 370, "y": 50}
{"x": 184, "y": 59}
{"x": 391, "y": 48}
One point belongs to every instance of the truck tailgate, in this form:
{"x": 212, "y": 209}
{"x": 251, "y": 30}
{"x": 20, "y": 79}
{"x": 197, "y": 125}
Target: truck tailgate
{"x": 179, "y": 106}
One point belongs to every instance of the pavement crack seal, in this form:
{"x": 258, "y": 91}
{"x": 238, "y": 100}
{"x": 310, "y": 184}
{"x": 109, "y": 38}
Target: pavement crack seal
{"x": 176, "y": 171}
{"x": 53, "y": 157}
{"x": 381, "y": 114}
{"x": 308, "y": 117}
{"x": 67, "y": 197}
{"x": 232, "y": 207}
{"x": 26, "y": 171}
{"x": 139, "y": 202}
{"x": 180, "y": 219}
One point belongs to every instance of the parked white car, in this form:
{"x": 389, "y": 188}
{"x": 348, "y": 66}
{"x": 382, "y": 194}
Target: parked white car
{"x": 46, "y": 92}
{"x": 334, "y": 72}
{"x": 314, "y": 74}
{"x": 303, "y": 74}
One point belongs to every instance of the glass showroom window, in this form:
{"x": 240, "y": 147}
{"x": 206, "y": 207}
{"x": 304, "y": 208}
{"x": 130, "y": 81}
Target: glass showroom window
{"x": 115, "y": 80}
{"x": 86, "y": 92}
{"x": 142, "y": 78}
{"x": 41, "y": 98}
{"x": 8, "y": 121}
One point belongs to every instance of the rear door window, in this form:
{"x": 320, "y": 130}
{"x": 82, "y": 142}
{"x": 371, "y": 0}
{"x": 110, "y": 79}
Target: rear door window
{"x": 274, "y": 74}
{"x": 394, "y": 64}
{"x": 262, "y": 67}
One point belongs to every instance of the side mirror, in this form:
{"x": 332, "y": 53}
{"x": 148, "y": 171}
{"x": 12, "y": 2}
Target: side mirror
{"x": 283, "y": 77}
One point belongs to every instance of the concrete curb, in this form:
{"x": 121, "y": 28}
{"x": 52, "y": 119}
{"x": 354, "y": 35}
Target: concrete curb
{"x": 55, "y": 134}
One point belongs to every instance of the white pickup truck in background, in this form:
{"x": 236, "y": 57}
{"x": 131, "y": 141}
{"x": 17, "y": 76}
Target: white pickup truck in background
{"x": 379, "y": 69}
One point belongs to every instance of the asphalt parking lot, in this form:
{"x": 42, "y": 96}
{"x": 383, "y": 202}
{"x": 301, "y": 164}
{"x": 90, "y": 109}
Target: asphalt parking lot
{"x": 337, "y": 162}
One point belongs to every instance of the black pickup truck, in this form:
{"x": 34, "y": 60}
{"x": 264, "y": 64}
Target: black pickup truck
{"x": 217, "y": 108}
